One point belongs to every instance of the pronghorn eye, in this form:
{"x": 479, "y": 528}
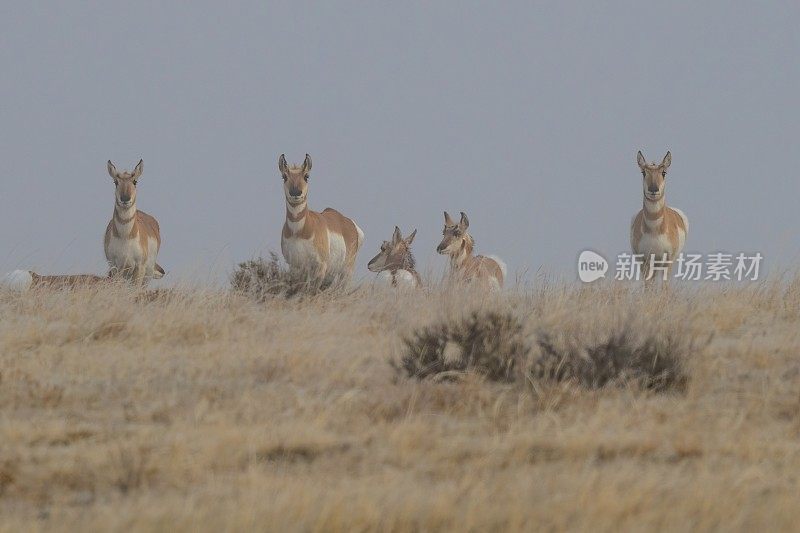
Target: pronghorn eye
{"x": 663, "y": 173}
{"x": 643, "y": 173}
{"x": 285, "y": 178}
{"x": 135, "y": 182}
{"x": 116, "y": 183}
{"x": 306, "y": 178}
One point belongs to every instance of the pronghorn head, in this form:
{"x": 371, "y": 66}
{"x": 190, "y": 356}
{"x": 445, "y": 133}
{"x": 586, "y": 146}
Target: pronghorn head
{"x": 395, "y": 254}
{"x": 456, "y": 238}
{"x": 295, "y": 180}
{"x": 654, "y": 176}
{"x": 125, "y": 183}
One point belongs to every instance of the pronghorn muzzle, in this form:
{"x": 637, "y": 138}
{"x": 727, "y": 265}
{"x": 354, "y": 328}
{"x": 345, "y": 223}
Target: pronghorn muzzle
{"x": 375, "y": 264}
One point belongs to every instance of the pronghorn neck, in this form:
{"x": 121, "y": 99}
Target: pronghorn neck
{"x": 124, "y": 220}
{"x": 407, "y": 263}
{"x": 654, "y": 211}
{"x": 464, "y": 256}
{"x": 296, "y": 216}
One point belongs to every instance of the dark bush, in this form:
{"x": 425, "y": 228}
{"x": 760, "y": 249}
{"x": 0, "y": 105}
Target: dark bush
{"x": 491, "y": 344}
{"x": 650, "y": 363}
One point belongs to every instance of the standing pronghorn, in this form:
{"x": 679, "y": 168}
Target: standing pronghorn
{"x": 132, "y": 237}
{"x": 395, "y": 262}
{"x": 322, "y": 246}
{"x": 458, "y": 244}
{"x": 658, "y": 232}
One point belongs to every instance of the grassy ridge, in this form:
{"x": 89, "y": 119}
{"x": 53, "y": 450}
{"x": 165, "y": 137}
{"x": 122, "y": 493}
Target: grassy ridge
{"x": 201, "y": 410}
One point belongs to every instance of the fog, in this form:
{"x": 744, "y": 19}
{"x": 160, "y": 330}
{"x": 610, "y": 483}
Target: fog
{"x": 527, "y": 117}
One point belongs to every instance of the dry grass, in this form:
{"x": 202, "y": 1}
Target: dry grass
{"x": 207, "y": 410}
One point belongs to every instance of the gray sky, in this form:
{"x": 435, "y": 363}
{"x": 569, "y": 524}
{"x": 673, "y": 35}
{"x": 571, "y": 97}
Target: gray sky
{"x": 526, "y": 116}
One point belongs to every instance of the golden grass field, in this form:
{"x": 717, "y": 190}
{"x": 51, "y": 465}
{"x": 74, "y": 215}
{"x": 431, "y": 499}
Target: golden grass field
{"x": 203, "y": 410}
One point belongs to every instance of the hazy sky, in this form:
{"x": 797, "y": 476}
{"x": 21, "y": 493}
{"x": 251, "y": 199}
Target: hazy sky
{"x": 525, "y": 115}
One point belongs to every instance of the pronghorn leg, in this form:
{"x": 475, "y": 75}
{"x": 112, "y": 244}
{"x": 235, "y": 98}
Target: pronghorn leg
{"x": 667, "y": 285}
{"x": 128, "y": 273}
{"x": 139, "y": 276}
{"x": 644, "y": 271}
{"x": 318, "y": 279}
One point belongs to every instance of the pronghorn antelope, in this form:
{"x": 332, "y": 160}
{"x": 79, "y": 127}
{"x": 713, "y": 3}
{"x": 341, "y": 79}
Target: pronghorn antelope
{"x": 658, "y": 232}
{"x": 395, "y": 262}
{"x": 22, "y": 280}
{"x": 459, "y": 244}
{"x": 322, "y": 246}
{"x": 133, "y": 237}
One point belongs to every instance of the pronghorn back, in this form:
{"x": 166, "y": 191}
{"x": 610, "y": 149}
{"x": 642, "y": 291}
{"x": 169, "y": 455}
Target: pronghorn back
{"x": 501, "y": 265}
{"x": 484, "y": 268}
{"x": 22, "y": 280}
{"x": 351, "y": 234}
{"x": 69, "y": 281}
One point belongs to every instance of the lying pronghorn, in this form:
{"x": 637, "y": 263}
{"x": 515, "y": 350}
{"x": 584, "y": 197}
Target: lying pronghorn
{"x": 322, "y": 246}
{"x": 458, "y": 244}
{"x": 395, "y": 262}
{"x": 133, "y": 237}
{"x": 22, "y": 280}
{"x": 658, "y": 232}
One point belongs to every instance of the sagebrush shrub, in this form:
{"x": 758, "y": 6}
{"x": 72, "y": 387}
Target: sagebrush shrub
{"x": 261, "y": 279}
{"x": 647, "y": 361}
{"x": 491, "y": 344}
{"x": 494, "y": 345}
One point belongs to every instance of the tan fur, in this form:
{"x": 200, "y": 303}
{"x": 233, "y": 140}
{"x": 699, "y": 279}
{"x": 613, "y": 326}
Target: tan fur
{"x": 315, "y": 226}
{"x": 459, "y": 245}
{"x": 143, "y": 227}
{"x": 656, "y": 222}
{"x": 67, "y": 282}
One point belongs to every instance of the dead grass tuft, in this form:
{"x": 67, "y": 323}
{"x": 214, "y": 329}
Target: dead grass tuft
{"x": 130, "y": 464}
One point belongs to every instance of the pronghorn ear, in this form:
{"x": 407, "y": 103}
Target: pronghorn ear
{"x": 112, "y": 170}
{"x": 410, "y": 238}
{"x": 447, "y": 220}
{"x": 396, "y": 236}
{"x": 641, "y": 160}
{"x": 307, "y": 164}
{"x": 282, "y": 166}
{"x": 137, "y": 171}
{"x": 667, "y": 161}
{"x": 464, "y": 221}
